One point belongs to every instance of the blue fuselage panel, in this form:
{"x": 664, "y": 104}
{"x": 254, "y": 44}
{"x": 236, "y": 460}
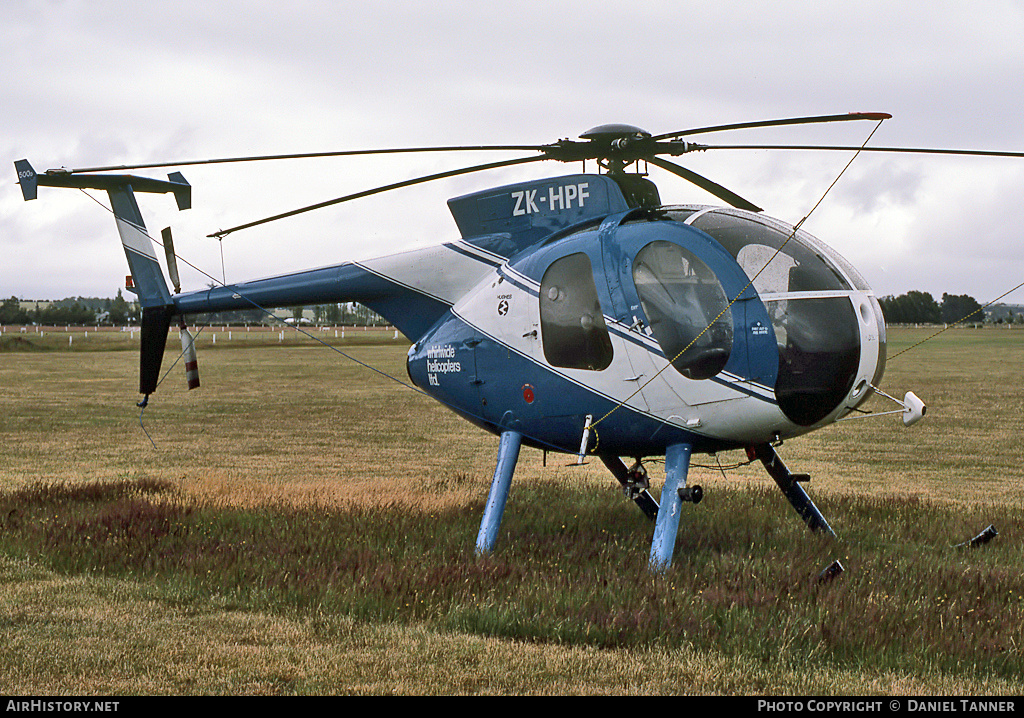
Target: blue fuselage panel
{"x": 497, "y": 388}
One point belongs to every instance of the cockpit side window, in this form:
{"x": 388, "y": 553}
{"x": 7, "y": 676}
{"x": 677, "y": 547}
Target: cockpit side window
{"x": 686, "y": 307}
{"x": 573, "y": 331}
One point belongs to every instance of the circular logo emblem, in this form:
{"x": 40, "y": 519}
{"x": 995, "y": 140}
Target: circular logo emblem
{"x": 528, "y": 393}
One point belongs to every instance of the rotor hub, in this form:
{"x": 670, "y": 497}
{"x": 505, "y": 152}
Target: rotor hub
{"x": 614, "y": 146}
{"x": 610, "y": 133}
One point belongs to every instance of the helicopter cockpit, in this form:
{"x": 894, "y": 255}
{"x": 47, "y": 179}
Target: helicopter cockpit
{"x": 808, "y": 290}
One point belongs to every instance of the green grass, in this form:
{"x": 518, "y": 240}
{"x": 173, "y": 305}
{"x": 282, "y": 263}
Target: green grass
{"x": 350, "y": 540}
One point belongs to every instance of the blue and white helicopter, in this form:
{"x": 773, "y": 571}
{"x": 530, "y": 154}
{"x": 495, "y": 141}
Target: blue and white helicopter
{"x": 580, "y": 315}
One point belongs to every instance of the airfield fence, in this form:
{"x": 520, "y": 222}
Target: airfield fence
{"x": 111, "y": 336}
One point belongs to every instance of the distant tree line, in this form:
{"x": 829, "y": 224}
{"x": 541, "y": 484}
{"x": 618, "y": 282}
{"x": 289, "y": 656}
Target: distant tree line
{"x": 119, "y": 312}
{"x": 78, "y": 311}
{"x": 916, "y": 307}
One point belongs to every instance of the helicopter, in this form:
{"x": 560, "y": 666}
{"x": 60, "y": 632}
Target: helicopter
{"x": 579, "y": 314}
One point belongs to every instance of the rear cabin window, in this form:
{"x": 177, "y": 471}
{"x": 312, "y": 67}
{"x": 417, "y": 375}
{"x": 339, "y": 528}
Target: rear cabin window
{"x": 572, "y": 325}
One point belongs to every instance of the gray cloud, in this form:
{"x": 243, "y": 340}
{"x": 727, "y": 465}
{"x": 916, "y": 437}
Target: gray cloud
{"x": 104, "y": 83}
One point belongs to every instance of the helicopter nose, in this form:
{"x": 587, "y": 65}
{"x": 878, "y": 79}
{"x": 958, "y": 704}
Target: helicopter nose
{"x": 873, "y": 347}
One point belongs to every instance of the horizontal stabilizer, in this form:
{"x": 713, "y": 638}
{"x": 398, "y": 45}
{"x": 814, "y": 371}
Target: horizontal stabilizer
{"x": 29, "y": 180}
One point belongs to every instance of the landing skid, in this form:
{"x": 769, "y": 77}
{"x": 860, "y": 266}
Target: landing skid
{"x": 508, "y": 455}
{"x": 634, "y": 481}
{"x": 674, "y": 494}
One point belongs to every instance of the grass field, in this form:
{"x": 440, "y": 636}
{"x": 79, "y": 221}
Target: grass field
{"x": 301, "y": 524}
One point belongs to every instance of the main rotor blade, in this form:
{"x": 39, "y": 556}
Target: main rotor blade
{"x": 852, "y": 116}
{"x": 310, "y": 155}
{"x": 377, "y": 190}
{"x": 704, "y": 183}
{"x": 915, "y": 150}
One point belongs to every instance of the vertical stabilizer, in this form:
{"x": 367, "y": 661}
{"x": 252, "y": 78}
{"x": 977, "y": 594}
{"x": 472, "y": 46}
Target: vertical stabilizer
{"x": 26, "y": 178}
{"x": 138, "y": 249}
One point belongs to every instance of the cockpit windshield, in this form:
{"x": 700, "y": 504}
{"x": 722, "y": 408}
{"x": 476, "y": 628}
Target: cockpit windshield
{"x": 798, "y": 261}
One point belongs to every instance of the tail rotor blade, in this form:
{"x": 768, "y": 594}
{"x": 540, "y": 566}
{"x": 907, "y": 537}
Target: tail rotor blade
{"x": 188, "y": 353}
{"x": 172, "y": 259}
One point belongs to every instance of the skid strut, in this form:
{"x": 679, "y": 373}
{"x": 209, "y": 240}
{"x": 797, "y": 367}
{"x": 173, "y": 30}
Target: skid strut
{"x": 789, "y": 483}
{"x": 677, "y": 465}
{"x": 508, "y": 455}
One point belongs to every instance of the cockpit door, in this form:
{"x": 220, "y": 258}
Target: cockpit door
{"x": 627, "y": 332}
{"x": 686, "y": 330}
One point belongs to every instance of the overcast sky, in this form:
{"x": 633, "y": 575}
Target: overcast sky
{"x": 99, "y": 83}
